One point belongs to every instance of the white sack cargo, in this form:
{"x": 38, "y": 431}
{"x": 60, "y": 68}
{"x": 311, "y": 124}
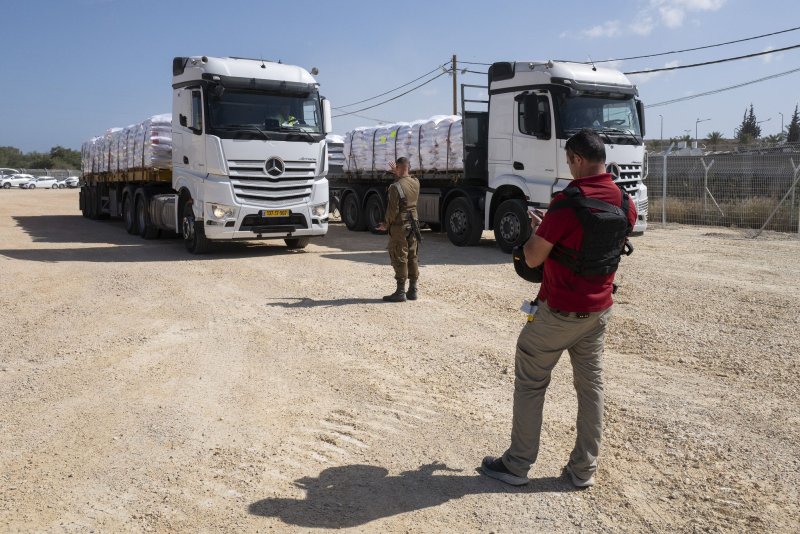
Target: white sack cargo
{"x": 146, "y": 145}
{"x": 432, "y": 145}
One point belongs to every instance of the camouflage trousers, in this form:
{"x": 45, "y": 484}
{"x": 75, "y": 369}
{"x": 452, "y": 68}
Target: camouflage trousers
{"x": 403, "y": 253}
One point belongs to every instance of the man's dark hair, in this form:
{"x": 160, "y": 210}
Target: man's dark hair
{"x": 401, "y": 161}
{"x": 588, "y": 145}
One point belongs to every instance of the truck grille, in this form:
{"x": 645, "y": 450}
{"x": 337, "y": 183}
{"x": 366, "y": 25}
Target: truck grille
{"x": 629, "y": 178}
{"x": 253, "y": 185}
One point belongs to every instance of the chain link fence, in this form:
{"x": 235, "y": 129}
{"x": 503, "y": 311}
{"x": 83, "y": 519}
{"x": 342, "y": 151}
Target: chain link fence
{"x": 756, "y": 189}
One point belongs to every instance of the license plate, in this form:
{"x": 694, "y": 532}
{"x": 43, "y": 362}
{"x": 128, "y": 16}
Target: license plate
{"x": 275, "y": 213}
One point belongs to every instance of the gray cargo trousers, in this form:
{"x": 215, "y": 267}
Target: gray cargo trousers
{"x": 539, "y": 347}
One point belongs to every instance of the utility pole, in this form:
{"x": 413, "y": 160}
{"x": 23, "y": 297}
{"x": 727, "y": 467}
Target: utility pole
{"x": 781, "y": 114}
{"x": 661, "y": 141}
{"x": 455, "y": 87}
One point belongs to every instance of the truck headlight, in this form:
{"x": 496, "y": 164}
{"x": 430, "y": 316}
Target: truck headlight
{"x": 319, "y": 210}
{"x": 221, "y": 211}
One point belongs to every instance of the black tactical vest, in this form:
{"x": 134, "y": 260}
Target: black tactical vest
{"x": 605, "y": 230}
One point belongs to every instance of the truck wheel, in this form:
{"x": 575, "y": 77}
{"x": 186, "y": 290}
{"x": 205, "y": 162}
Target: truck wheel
{"x": 295, "y": 243}
{"x": 374, "y": 213}
{"x": 143, "y": 224}
{"x": 352, "y": 215}
{"x": 192, "y": 231}
{"x": 128, "y": 217}
{"x": 511, "y": 225}
{"x": 463, "y": 225}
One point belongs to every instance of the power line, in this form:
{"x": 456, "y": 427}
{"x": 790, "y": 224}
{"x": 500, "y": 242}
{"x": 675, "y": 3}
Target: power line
{"x": 474, "y": 63}
{"x": 394, "y": 97}
{"x": 392, "y": 90}
{"x": 370, "y": 118}
{"x": 715, "y": 61}
{"x": 715, "y": 91}
{"x": 700, "y": 47}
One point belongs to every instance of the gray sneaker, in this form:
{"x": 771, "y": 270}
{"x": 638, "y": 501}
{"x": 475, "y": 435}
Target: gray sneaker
{"x": 495, "y": 468}
{"x": 577, "y": 481}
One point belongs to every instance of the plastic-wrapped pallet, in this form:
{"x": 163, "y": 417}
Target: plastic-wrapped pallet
{"x": 158, "y": 141}
{"x": 335, "y": 144}
{"x": 432, "y": 145}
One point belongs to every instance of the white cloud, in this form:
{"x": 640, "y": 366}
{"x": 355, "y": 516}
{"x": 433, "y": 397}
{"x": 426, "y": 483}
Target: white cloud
{"x": 607, "y": 29}
{"x": 673, "y": 12}
{"x": 649, "y": 76}
{"x": 769, "y": 58}
{"x": 669, "y": 13}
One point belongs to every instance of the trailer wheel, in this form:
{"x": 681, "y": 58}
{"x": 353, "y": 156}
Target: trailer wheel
{"x": 352, "y": 215}
{"x": 128, "y": 217}
{"x": 463, "y": 225}
{"x": 511, "y": 225}
{"x": 374, "y": 213}
{"x": 296, "y": 243}
{"x": 143, "y": 224}
{"x": 192, "y": 231}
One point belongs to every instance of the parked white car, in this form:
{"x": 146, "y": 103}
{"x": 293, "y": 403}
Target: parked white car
{"x": 41, "y": 182}
{"x": 69, "y": 181}
{"x": 5, "y": 172}
{"x": 15, "y": 180}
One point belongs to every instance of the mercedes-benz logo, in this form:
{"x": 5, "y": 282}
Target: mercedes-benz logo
{"x": 614, "y": 169}
{"x": 275, "y": 167}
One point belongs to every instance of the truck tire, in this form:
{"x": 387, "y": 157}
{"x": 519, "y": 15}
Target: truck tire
{"x": 463, "y": 224}
{"x": 352, "y": 215}
{"x": 511, "y": 225}
{"x": 128, "y": 215}
{"x": 143, "y": 224}
{"x": 374, "y": 213}
{"x": 192, "y": 231}
{"x": 296, "y": 243}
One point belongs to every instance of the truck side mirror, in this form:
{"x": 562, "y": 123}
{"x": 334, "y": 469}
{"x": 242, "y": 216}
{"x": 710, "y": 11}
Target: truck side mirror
{"x": 640, "y": 112}
{"x": 327, "y": 121}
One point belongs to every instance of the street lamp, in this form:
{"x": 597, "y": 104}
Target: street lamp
{"x": 698, "y": 121}
{"x": 781, "y": 114}
{"x": 765, "y": 120}
{"x": 661, "y": 140}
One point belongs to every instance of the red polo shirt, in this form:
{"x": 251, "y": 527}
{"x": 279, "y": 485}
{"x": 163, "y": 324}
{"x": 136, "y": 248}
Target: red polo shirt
{"x": 561, "y": 288}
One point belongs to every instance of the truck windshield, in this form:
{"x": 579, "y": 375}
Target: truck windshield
{"x": 264, "y": 115}
{"x": 605, "y": 114}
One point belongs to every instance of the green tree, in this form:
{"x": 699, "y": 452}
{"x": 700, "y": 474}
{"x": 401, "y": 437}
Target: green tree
{"x": 793, "y": 130}
{"x": 714, "y": 138}
{"x": 11, "y": 157}
{"x": 749, "y": 130}
{"x": 774, "y": 138}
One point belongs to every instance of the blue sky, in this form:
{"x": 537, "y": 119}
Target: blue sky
{"x": 70, "y": 69}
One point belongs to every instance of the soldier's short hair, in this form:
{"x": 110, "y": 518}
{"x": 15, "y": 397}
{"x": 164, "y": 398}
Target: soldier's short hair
{"x": 588, "y": 145}
{"x": 402, "y": 161}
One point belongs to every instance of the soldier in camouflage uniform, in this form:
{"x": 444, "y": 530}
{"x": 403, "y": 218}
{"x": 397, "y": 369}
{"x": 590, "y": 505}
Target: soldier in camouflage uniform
{"x": 403, "y": 226}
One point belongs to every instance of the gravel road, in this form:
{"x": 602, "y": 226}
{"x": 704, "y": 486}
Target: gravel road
{"x": 260, "y": 389}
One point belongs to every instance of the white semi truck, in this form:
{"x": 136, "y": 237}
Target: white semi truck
{"x": 247, "y": 158}
{"x": 513, "y": 152}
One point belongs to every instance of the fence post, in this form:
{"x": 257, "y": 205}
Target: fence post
{"x": 664, "y": 186}
{"x": 796, "y": 169}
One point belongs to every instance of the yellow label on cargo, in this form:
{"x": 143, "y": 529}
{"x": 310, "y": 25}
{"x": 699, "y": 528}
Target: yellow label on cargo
{"x": 275, "y": 213}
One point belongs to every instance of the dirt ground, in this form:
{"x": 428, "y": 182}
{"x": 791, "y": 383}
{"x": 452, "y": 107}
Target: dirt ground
{"x": 258, "y": 389}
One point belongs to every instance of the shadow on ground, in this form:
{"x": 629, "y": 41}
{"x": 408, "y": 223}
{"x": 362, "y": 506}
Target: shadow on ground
{"x": 113, "y": 244}
{"x": 353, "y": 495}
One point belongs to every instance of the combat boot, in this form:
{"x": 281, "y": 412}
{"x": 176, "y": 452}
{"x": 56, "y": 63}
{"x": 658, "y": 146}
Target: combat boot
{"x": 399, "y": 294}
{"x": 411, "y": 294}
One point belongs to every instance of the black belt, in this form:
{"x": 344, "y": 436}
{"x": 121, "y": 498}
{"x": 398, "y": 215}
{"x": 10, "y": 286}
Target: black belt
{"x": 577, "y": 315}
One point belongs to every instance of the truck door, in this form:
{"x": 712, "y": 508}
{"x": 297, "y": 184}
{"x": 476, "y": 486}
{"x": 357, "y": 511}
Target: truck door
{"x": 534, "y": 144}
{"x": 188, "y": 139}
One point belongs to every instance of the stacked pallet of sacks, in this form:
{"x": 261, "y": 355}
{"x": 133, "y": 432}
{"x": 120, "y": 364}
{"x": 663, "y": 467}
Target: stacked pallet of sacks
{"x": 432, "y": 145}
{"x": 146, "y": 145}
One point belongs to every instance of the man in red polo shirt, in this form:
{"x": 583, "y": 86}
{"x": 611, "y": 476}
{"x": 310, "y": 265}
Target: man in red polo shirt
{"x": 573, "y": 312}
